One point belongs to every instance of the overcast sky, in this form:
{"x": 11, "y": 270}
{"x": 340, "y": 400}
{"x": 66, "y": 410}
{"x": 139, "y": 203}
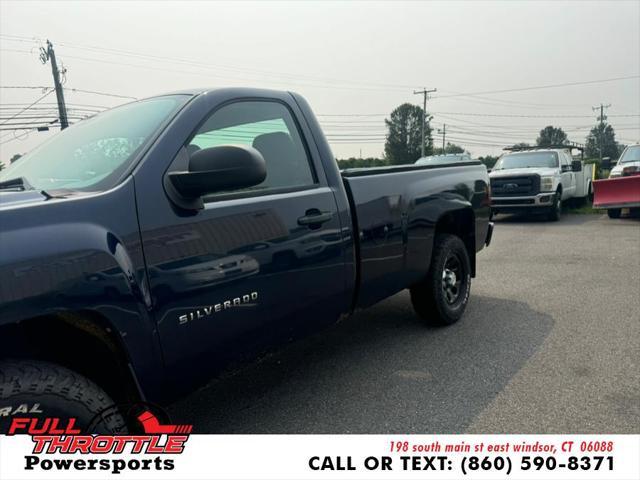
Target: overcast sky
{"x": 347, "y": 59}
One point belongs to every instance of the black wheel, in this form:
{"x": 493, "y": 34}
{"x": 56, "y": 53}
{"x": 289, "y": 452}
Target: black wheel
{"x": 442, "y": 297}
{"x": 43, "y": 390}
{"x": 614, "y": 212}
{"x": 555, "y": 211}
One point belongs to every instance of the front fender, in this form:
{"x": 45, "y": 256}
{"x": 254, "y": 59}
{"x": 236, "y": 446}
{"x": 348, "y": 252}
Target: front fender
{"x": 76, "y": 255}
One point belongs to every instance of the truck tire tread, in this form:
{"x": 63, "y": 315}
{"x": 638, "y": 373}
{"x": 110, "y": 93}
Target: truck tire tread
{"x": 427, "y": 297}
{"x": 44, "y": 382}
{"x": 555, "y": 211}
{"x": 614, "y": 212}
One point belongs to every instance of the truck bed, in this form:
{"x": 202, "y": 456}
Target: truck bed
{"x": 396, "y": 210}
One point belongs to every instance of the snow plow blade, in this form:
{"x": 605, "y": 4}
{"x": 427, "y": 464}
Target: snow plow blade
{"x": 620, "y": 192}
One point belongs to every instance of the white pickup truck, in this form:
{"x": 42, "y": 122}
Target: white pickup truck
{"x": 538, "y": 180}
{"x": 628, "y": 163}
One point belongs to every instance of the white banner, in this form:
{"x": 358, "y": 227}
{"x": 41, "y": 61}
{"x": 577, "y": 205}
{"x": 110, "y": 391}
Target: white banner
{"x": 300, "y": 457}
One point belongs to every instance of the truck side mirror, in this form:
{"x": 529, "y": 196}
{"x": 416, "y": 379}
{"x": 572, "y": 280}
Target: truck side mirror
{"x": 216, "y": 169}
{"x": 576, "y": 166}
{"x": 606, "y": 163}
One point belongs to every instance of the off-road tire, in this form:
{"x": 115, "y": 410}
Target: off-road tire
{"x": 58, "y": 392}
{"x": 429, "y": 297}
{"x": 614, "y": 212}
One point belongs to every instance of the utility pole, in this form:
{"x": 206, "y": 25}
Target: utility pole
{"x": 601, "y": 119}
{"x": 49, "y": 54}
{"x": 424, "y": 92}
{"x": 444, "y": 135}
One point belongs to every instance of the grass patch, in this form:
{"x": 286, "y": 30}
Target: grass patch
{"x": 586, "y": 209}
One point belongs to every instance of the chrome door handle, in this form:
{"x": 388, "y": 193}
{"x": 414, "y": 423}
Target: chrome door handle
{"x": 315, "y": 217}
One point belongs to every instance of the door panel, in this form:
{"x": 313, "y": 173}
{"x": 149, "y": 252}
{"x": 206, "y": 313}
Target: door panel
{"x": 240, "y": 265}
{"x": 254, "y": 265}
{"x": 568, "y": 178}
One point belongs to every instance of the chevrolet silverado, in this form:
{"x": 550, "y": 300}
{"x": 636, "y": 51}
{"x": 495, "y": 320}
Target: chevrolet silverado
{"x": 147, "y": 246}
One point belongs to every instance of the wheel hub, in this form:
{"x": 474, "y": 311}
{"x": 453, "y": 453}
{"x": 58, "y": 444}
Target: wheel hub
{"x": 451, "y": 279}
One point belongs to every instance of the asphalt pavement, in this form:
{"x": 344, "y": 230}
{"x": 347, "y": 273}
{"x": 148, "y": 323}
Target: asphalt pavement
{"x": 550, "y": 343}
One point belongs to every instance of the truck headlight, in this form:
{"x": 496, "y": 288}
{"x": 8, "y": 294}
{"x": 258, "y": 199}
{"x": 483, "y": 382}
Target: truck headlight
{"x": 546, "y": 184}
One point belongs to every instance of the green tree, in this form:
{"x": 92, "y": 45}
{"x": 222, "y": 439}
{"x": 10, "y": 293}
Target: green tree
{"x": 404, "y": 137}
{"x": 602, "y": 133}
{"x": 520, "y": 145}
{"x": 551, "y": 135}
{"x": 489, "y": 160}
{"x": 449, "y": 148}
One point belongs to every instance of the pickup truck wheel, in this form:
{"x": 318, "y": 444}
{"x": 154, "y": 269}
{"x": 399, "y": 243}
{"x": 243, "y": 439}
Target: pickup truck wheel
{"x": 442, "y": 297}
{"x": 614, "y": 212}
{"x": 44, "y": 390}
{"x": 556, "y": 209}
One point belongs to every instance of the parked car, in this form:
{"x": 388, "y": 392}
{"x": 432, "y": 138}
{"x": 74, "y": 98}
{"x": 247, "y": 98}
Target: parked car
{"x": 538, "y": 180}
{"x": 188, "y": 195}
{"x": 628, "y": 163}
{"x": 622, "y": 189}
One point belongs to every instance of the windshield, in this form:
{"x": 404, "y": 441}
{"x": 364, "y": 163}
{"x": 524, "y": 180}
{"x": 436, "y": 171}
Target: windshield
{"x": 528, "y": 160}
{"x": 631, "y": 154}
{"x": 92, "y": 154}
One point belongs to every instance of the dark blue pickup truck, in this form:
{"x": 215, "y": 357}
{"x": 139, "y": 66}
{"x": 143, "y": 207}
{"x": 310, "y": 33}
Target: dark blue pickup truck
{"x": 142, "y": 249}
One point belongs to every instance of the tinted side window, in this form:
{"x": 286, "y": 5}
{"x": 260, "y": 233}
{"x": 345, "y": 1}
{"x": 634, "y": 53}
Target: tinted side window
{"x": 268, "y": 127}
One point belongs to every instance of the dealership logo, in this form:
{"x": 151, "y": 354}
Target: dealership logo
{"x": 153, "y": 439}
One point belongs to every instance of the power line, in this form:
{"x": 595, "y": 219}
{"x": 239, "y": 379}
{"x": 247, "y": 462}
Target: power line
{"x": 208, "y": 65}
{"x": 19, "y": 105}
{"x": 351, "y": 114}
{"x": 16, "y": 137}
{"x": 539, "y": 87}
{"x": 425, "y": 93}
{"x": 337, "y": 82}
{"x": 15, "y": 50}
{"x": 508, "y": 103}
{"x": 443, "y": 131}
{"x": 27, "y": 107}
{"x": 601, "y": 119}
{"x": 23, "y": 87}
{"x": 105, "y": 94}
{"x": 32, "y": 117}
{"x": 329, "y": 83}
{"x": 49, "y": 55}
{"x": 509, "y": 115}
{"x": 26, "y": 124}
